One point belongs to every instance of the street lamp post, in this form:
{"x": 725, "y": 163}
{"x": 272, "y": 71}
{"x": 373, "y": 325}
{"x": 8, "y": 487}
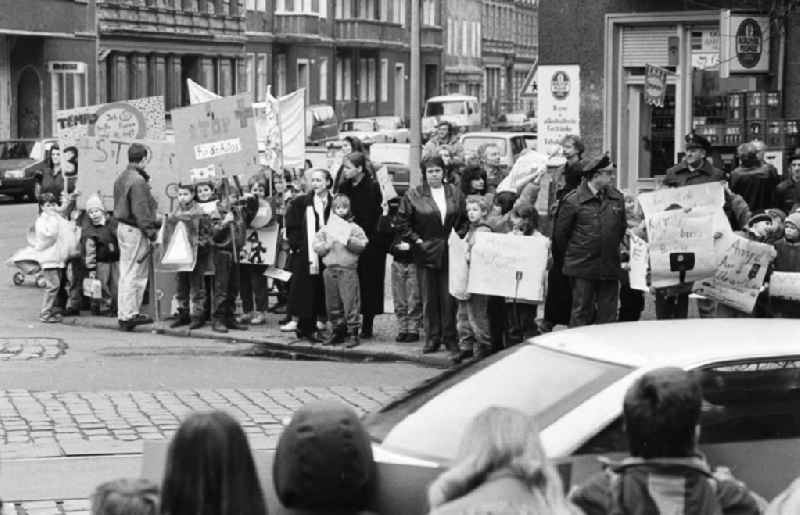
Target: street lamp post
{"x": 415, "y": 176}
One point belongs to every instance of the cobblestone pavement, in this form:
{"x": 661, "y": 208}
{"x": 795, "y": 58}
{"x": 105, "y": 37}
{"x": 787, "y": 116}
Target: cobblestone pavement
{"x": 51, "y": 424}
{"x": 71, "y": 507}
{"x": 23, "y": 349}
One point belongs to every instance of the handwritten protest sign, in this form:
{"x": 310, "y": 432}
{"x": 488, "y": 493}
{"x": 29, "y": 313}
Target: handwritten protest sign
{"x": 385, "y": 181}
{"x": 216, "y": 137}
{"x": 178, "y": 249}
{"x": 681, "y": 246}
{"x": 260, "y": 246}
{"x": 458, "y": 270}
{"x": 141, "y": 118}
{"x": 338, "y": 229}
{"x": 709, "y": 195}
{"x": 509, "y": 266}
{"x": 101, "y": 160}
{"x": 785, "y": 285}
{"x": 637, "y": 274}
{"x": 740, "y": 275}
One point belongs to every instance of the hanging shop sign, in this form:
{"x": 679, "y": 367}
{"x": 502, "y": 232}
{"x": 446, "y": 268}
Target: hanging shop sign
{"x": 655, "y": 85}
{"x": 745, "y": 48}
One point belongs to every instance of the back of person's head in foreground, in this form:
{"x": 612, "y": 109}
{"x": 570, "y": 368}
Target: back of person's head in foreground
{"x": 125, "y": 497}
{"x": 661, "y": 411}
{"x": 324, "y": 460}
{"x": 210, "y": 469}
{"x": 501, "y": 439}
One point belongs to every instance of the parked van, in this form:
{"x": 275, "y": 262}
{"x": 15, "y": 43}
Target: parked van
{"x": 322, "y": 125}
{"x": 461, "y": 110}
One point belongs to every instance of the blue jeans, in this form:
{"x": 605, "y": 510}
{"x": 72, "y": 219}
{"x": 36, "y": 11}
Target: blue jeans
{"x": 406, "y": 297}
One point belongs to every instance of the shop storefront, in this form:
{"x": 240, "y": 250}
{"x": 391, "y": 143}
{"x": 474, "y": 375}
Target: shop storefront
{"x": 716, "y": 73}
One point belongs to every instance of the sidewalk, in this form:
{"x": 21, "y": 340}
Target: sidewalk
{"x": 272, "y": 342}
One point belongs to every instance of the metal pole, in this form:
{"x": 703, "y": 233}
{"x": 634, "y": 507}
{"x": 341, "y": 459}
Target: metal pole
{"x": 414, "y": 113}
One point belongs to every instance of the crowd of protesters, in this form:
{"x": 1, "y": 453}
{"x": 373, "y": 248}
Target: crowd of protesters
{"x": 336, "y": 285}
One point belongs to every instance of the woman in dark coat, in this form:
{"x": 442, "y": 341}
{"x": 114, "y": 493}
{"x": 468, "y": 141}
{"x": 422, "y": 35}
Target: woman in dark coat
{"x": 306, "y": 291}
{"x": 423, "y": 223}
{"x": 352, "y": 144}
{"x": 365, "y": 204}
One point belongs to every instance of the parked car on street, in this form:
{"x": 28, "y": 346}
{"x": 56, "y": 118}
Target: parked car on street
{"x": 395, "y": 157}
{"x": 573, "y": 382}
{"x": 514, "y": 122}
{"x": 394, "y": 128}
{"x": 463, "y": 111}
{"x": 322, "y": 124}
{"x": 365, "y": 129}
{"x": 510, "y": 144}
{"x": 21, "y": 164}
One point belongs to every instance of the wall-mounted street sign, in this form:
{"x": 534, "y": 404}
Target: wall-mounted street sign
{"x": 529, "y": 86}
{"x": 745, "y": 43}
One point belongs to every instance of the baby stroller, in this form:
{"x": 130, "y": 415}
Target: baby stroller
{"x": 28, "y": 269}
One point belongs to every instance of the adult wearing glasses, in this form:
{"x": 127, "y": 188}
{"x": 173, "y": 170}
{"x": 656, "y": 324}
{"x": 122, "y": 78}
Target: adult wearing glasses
{"x": 427, "y": 215}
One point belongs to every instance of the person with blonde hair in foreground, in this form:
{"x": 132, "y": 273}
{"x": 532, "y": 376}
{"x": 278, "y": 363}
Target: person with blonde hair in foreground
{"x": 501, "y": 468}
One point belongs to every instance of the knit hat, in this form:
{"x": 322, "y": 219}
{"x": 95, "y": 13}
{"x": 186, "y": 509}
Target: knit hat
{"x": 324, "y": 460}
{"x": 761, "y": 216}
{"x": 793, "y": 219}
{"x": 776, "y": 213}
{"x": 95, "y": 202}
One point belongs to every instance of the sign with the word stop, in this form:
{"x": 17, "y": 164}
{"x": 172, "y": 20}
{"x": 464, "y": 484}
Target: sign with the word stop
{"x": 216, "y": 138}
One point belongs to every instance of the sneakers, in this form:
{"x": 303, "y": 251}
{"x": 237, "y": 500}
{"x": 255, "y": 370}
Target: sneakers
{"x": 289, "y": 327}
{"x": 51, "y": 319}
{"x": 258, "y": 319}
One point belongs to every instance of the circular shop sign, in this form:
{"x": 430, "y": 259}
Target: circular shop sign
{"x": 749, "y": 43}
{"x": 560, "y": 85}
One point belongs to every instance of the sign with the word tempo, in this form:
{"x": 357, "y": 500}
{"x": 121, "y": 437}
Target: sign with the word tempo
{"x": 216, "y": 138}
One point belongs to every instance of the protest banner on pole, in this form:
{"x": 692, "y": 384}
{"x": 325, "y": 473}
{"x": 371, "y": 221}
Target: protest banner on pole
{"x": 507, "y": 265}
{"x": 217, "y": 137}
{"x": 681, "y": 246}
{"x": 101, "y": 160}
{"x": 740, "y": 276}
{"x": 637, "y": 275}
{"x": 785, "y": 285}
{"x": 458, "y": 268}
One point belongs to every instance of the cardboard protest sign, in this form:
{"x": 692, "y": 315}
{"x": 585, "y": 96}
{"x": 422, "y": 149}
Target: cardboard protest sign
{"x": 178, "y": 250}
{"x": 101, "y": 160}
{"x": 141, "y": 118}
{"x": 709, "y": 195}
{"x": 260, "y": 246}
{"x": 509, "y": 266}
{"x": 681, "y": 246}
{"x": 785, "y": 285}
{"x": 216, "y": 138}
{"x": 278, "y": 274}
{"x": 458, "y": 268}
{"x": 740, "y": 275}
{"x": 385, "y": 181}
{"x": 637, "y": 275}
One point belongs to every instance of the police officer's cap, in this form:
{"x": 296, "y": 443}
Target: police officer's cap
{"x": 592, "y": 166}
{"x": 697, "y": 141}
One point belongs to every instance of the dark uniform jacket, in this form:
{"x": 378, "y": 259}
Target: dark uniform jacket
{"x": 682, "y": 175}
{"x": 590, "y": 228}
{"x": 787, "y": 194}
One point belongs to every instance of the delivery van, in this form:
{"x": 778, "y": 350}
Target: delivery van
{"x": 460, "y": 110}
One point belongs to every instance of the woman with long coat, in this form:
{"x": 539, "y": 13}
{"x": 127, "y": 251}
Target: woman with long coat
{"x": 427, "y": 215}
{"x": 305, "y": 216}
{"x": 365, "y": 204}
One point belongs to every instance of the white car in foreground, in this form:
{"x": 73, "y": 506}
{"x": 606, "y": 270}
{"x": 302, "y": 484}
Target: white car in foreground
{"x": 573, "y": 383}
{"x": 365, "y": 129}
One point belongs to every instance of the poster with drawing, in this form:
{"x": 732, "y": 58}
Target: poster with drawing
{"x": 681, "y": 246}
{"x": 260, "y": 246}
{"x": 101, "y": 160}
{"x": 140, "y": 118}
{"x": 178, "y": 249}
{"x": 509, "y": 266}
{"x": 458, "y": 271}
{"x": 709, "y": 195}
{"x": 739, "y": 277}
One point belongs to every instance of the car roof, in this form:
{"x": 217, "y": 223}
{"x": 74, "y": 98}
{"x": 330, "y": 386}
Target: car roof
{"x": 683, "y": 343}
{"x": 365, "y": 119}
{"x": 498, "y": 134}
{"x": 451, "y": 98}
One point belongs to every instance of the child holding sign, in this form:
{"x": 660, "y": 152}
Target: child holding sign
{"x": 339, "y": 243}
{"x": 472, "y": 319}
{"x": 788, "y": 260}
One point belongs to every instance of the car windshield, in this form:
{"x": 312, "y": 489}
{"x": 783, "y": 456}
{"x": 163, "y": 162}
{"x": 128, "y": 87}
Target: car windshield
{"x": 15, "y": 149}
{"x": 357, "y": 126}
{"x": 515, "y": 117}
{"x": 398, "y": 153}
{"x": 322, "y": 113}
{"x": 473, "y": 143}
{"x": 388, "y": 123}
{"x": 542, "y": 382}
{"x": 447, "y": 108}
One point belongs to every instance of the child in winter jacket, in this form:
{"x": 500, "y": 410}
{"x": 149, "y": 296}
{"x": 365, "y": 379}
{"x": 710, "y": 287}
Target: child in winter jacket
{"x": 405, "y": 289}
{"x": 101, "y": 254}
{"x": 340, "y": 276}
{"x": 54, "y": 238}
{"x": 259, "y": 216}
{"x": 472, "y": 319}
{"x": 788, "y": 260}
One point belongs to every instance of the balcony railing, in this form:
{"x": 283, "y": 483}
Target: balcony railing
{"x": 297, "y": 24}
{"x": 365, "y": 32}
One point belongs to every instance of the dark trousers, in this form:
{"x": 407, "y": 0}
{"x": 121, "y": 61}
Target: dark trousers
{"x": 438, "y": 308}
{"x": 253, "y": 285}
{"x": 671, "y": 307}
{"x": 226, "y": 284}
{"x": 631, "y": 304}
{"x": 190, "y": 293}
{"x": 342, "y": 297}
{"x": 593, "y": 301}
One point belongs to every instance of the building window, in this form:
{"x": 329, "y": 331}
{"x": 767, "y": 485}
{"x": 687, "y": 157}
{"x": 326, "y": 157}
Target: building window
{"x": 280, "y": 80}
{"x": 366, "y": 9}
{"x": 362, "y": 80}
{"x": 384, "y": 14}
{"x": 300, "y": 6}
{"x": 384, "y": 80}
{"x": 371, "y": 80}
{"x": 257, "y": 5}
{"x": 399, "y": 12}
{"x": 68, "y": 83}
{"x": 323, "y": 79}
{"x": 344, "y": 79}
{"x": 429, "y": 12}
{"x": 250, "y": 62}
{"x": 344, "y": 9}
{"x": 449, "y": 36}
{"x": 465, "y": 38}
{"x": 261, "y": 77}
